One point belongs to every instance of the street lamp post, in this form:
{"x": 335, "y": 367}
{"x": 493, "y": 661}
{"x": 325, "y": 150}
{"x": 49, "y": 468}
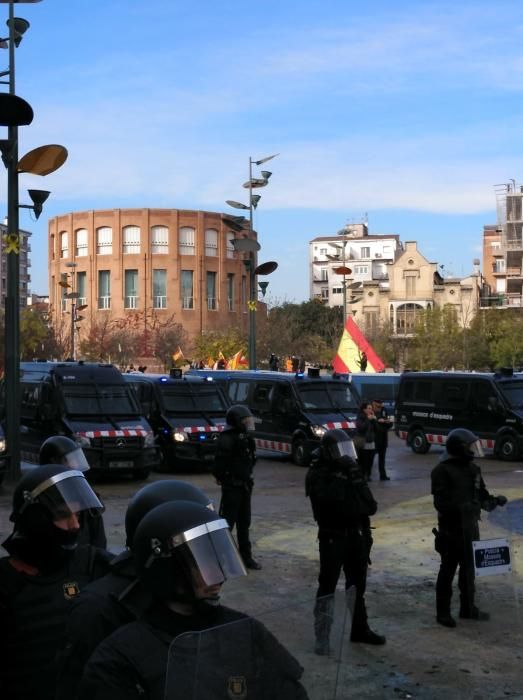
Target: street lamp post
{"x": 16, "y": 112}
{"x": 252, "y": 183}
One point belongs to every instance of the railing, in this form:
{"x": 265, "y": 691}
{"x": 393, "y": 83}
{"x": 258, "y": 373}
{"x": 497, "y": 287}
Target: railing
{"x": 131, "y": 302}
{"x": 159, "y": 302}
{"x": 187, "y": 302}
{"x": 104, "y": 302}
{"x": 211, "y": 303}
{"x": 230, "y": 304}
{"x": 501, "y": 300}
{"x": 513, "y": 272}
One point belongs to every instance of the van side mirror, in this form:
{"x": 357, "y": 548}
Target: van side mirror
{"x": 494, "y": 405}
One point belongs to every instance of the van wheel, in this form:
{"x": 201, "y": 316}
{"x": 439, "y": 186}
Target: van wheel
{"x": 418, "y": 442}
{"x": 300, "y": 453}
{"x": 507, "y": 448}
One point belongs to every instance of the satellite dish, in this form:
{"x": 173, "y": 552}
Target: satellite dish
{"x": 246, "y": 245}
{"x": 266, "y": 268}
{"x": 14, "y": 111}
{"x": 343, "y": 270}
{"x": 43, "y": 160}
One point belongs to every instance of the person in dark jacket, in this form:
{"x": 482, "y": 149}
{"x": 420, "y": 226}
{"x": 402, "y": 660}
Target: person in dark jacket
{"x": 45, "y": 570}
{"x": 233, "y": 464}
{"x": 459, "y": 496}
{"x": 366, "y": 438}
{"x": 184, "y": 553}
{"x": 59, "y": 449}
{"x": 342, "y": 504}
{"x": 117, "y": 598}
{"x": 382, "y": 427}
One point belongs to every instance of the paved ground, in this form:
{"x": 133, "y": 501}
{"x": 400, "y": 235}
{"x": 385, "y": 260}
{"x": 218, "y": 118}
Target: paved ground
{"x": 421, "y": 659}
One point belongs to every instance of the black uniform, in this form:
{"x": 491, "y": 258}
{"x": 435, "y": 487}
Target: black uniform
{"x": 381, "y": 439}
{"x": 459, "y": 495}
{"x": 104, "y": 606}
{"x": 233, "y": 465}
{"x": 366, "y": 442}
{"x": 341, "y": 504}
{"x": 134, "y": 661}
{"x": 34, "y": 611}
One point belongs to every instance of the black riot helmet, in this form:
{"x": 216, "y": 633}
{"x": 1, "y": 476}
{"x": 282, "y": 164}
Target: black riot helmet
{"x": 42, "y": 500}
{"x": 240, "y": 417}
{"x": 462, "y": 443}
{"x": 179, "y": 546}
{"x": 60, "y": 449}
{"x": 156, "y": 493}
{"x": 335, "y": 445}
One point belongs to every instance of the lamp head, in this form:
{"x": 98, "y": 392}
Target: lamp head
{"x": 263, "y": 287}
{"x": 38, "y": 198}
{"x": 17, "y": 28}
{"x": 255, "y": 198}
{"x": 265, "y": 174}
{"x": 235, "y": 204}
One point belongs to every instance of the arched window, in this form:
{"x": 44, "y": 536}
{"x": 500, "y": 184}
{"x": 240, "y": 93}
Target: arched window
{"x": 131, "y": 239}
{"x": 81, "y": 242}
{"x": 64, "y": 244}
{"x": 104, "y": 240}
{"x": 230, "y": 248}
{"x": 186, "y": 241}
{"x": 406, "y": 317}
{"x": 211, "y": 242}
{"x": 159, "y": 240}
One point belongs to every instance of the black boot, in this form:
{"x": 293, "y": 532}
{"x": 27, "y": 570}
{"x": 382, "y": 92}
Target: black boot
{"x": 473, "y": 613}
{"x": 446, "y": 620}
{"x": 367, "y": 636}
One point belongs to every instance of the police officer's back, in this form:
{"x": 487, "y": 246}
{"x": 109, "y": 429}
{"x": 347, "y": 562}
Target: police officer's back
{"x": 342, "y": 504}
{"x": 43, "y": 574}
{"x": 118, "y": 597}
{"x": 233, "y": 470}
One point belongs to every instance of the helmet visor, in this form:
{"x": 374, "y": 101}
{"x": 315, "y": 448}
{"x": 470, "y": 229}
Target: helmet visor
{"x": 66, "y": 493}
{"x": 208, "y": 553}
{"x": 344, "y": 448}
{"x": 475, "y": 449}
{"x": 76, "y": 459}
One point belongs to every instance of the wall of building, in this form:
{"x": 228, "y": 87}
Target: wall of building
{"x": 84, "y": 249}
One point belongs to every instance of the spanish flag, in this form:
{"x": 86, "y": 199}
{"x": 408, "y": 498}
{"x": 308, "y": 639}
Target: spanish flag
{"x": 237, "y": 361}
{"x": 355, "y": 353}
{"x": 178, "y": 355}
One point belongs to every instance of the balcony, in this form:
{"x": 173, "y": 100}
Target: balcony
{"x": 513, "y": 272}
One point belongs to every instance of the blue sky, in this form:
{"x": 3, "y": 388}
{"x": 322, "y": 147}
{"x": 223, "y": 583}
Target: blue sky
{"x": 407, "y": 112}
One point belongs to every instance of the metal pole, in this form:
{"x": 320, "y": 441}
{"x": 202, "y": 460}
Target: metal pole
{"x": 12, "y": 299}
{"x": 252, "y": 285}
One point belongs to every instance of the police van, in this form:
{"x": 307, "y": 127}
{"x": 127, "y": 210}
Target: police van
{"x": 377, "y": 385}
{"x": 291, "y": 411}
{"x": 186, "y": 414}
{"x": 91, "y": 404}
{"x": 3, "y": 458}
{"x": 431, "y": 404}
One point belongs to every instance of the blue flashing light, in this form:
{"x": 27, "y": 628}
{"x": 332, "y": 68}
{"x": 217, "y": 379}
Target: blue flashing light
{"x": 202, "y": 436}
{"x": 163, "y": 379}
{"x": 299, "y": 375}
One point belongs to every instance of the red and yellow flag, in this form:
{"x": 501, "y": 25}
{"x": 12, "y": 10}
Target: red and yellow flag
{"x": 355, "y": 353}
{"x": 178, "y": 355}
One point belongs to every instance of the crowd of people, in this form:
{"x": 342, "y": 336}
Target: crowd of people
{"x": 79, "y": 622}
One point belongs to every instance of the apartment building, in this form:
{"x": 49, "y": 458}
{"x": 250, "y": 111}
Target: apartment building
{"x": 367, "y": 257}
{"x": 25, "y": 264}
{"x": 503, "y": 249}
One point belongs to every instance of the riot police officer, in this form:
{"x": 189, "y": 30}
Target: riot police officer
{"x": 342, "y": 504}
{"x": 184, "y": 553}
{"x": 60, "y": 449}
{"x": 117, "y": 598}
{"x": 233, "y": 464}
{"x": 44, "y": 572}
{"x": 459, "y": 496}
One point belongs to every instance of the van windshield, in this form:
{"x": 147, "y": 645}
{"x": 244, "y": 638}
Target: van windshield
{"x": 192, "y": 399}
{"x": 513, "y": 393}
{"x": 95, "y": 400}
{"x": 327, "y": 396}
